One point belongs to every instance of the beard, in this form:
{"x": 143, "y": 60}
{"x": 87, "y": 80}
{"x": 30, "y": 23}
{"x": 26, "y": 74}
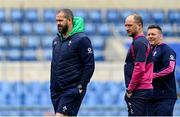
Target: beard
{"x": 62, "y": 29}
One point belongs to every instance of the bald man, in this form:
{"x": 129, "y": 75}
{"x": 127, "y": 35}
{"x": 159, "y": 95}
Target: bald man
{"x": 138, "y": 68}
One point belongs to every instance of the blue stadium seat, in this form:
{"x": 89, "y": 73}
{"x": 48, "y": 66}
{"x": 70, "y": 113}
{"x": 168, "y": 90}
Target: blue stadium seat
{"x": 49, "y": 15}
{"x": 124, "y": 13}
{"x": 52, "y": 29}
{"x": 90, "y": 29}
{"x": 92, "y": 99}
{"x": 31, "y": 15}
{"x": 158, "y": 16}
{"x": 108, "y": 98}
{"x": 98, "y": 42}
{"x": 168, "y": 30}
{"x": 31, "y": 42}
{"x": 47, "y": 41}
{"x": 2, "y": 15}
{"x": 15, "y": 42}
{"x": 99, "y": 56}
{"x": 47, "y": 53}
{"x": 39, "y": 28}
{"x": 81, "y": 13}
{"x": 34, "y": 87}
{"x": 25, "y": 29}
{"x": 112, "y": 15}
{"x": 145, "y": 14}
{"x": 2, "y": 54}
{"x": 16, "y": 15}
{"x": 104, "y": 29}
{"x": 120, "y": 29}
{"x": 95, "y": 16}
{"x": 45, "y": 99}
{"x": 3, "y": 42}
{"x": 7, "y": 29}
{"x": 14, "y": 55}
{"x": 29, "y": 55}
{"x": 174, "y": 16}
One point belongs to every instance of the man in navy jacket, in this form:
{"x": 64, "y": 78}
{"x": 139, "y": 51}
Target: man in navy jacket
{"x": 164, "y": 58}
{"x": 72, "y": 64}
{"x": 138, "y": 69}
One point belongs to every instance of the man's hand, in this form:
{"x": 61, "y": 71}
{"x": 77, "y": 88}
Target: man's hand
{"x": 128, "y": 93}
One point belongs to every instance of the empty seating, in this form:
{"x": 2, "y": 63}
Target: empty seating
{"x": 39, "y": 28}
{"x": 47, "y": 54}
{"x": 29, "y": 55}
{"x": 173, "y": 16}
{"x": 31, "y": 15}
{"x": 81, "y": 13}
{"x": 104, "y": 29}
{"x": 2, "y": 15}
{"x": 25, "y": 29}
{"x": 145, "y": 14}
{"x": 16, "y": 15}
{"x": 14, "y": 55}
{"x": 47, "y": 41}
{"x": 7, "y": 29}
{"x": 14, "y": 42}
{"x": 158, "y": 16}
{"x": 98, "y": 42}
{"x": 112, "y": 15}
{"x": 90, "y": 29}
{"x": 3, "y": 42}
{"x": 95, "y": 16}
{"x": 31, "y": 42}
{"x": 49, "y": 15}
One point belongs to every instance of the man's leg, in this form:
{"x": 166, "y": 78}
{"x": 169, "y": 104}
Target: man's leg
{"x": 165, "y": 107}
{"x": 69, "y": 103}
{"x": 59, "y": 115}
{"x": 138, "y": 103}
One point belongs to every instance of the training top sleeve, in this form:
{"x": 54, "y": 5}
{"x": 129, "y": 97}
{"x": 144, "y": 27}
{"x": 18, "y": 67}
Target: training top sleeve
{"x": 140, "y": 51}
{"x": 169, "y": 62}
{"x": 87, "y": 58}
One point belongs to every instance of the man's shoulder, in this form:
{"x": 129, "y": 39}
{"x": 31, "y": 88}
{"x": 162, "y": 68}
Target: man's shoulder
{"x": 80, "y": 35}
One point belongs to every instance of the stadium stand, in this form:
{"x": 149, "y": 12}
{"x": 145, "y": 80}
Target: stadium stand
{"x": 26, "y": 33}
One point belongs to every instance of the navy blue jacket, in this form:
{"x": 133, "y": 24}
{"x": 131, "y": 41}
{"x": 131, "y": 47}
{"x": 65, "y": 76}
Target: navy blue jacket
{"x": 164, "y": 84}
{"x": 72, "y": 62}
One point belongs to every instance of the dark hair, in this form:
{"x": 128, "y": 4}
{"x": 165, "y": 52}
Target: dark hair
{"x": 68, "y": 13}
{"x": 156, "y": 27}
{"x": 138, "y": 19}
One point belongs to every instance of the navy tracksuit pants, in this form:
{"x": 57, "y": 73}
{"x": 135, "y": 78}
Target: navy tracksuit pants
{"x": 161, "y": 107}
{"x": 138, "y": 103}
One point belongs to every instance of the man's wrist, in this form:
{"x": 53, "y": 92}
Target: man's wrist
{"x": 128, "y": 91}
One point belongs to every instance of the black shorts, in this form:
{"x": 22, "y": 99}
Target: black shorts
{"x": 67, "y": 102}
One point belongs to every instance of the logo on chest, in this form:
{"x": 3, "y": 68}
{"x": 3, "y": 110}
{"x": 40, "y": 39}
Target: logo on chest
{"x": 154, "y": 54}
{"x": 69, "y": 43}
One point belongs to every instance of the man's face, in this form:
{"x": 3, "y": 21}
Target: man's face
{"x": 154, "y": 36}
{"x": 62, "y": 23}
{"x": 131, "y": 27}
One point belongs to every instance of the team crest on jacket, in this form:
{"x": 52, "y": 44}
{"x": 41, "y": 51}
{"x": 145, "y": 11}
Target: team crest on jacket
{"x": 55, "y": 43}
{"x": 69, "y": 43}
{"x": 89, "y": 50}
{"x": 154, "y": 54}
{"x": 172, "y": 57}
